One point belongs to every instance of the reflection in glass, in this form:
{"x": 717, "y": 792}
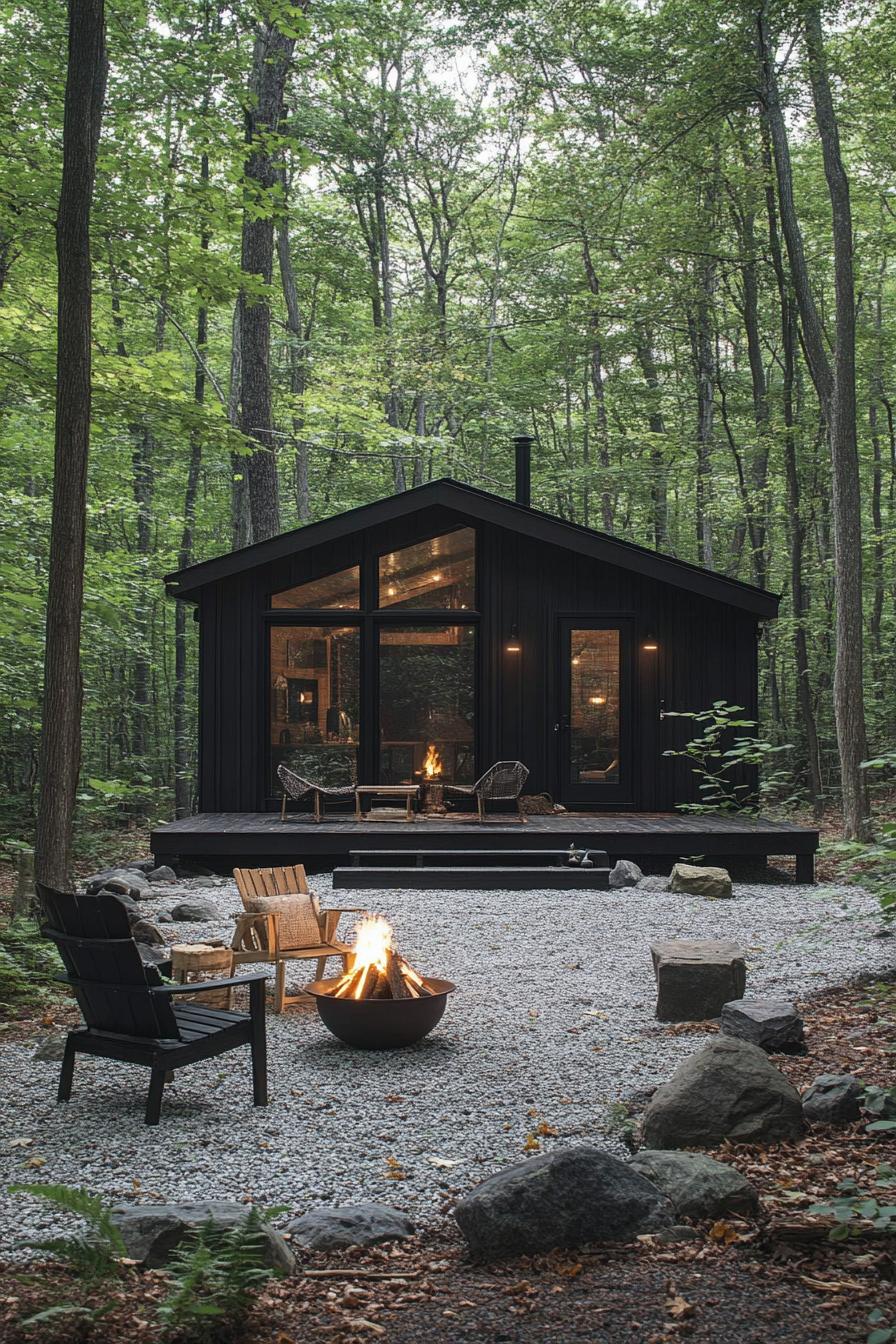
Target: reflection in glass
{"x": 594, "y": 706}
{"x": 427, "y": 676}
{"x": 333, "y": 591}
{"x": 437, "y": 573}
{"x": 314, "y": 702}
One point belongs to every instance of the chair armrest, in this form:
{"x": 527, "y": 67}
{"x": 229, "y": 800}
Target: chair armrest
{"x": 250, "y": 919}
{"x": 199, "y": 986}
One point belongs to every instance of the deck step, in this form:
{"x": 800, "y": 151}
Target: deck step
{"x": 489, "y": 878}
{"x": 471, "y": 858}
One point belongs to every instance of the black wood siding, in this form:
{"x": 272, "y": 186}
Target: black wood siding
{"x": 707, "y": 651}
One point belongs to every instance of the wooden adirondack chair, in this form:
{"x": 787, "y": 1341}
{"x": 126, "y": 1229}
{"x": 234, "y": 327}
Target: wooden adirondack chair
{"x": 128, "y": 1010}
{"x": 283, "y": 922}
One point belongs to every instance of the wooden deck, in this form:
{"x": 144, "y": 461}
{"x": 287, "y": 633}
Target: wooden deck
{"x": 223, "y": 840}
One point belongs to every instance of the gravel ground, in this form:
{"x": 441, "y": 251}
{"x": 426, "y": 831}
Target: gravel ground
{"x": 552, "y": 1021}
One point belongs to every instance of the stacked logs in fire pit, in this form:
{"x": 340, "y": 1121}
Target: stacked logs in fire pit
{"x": 379, "y": 1001}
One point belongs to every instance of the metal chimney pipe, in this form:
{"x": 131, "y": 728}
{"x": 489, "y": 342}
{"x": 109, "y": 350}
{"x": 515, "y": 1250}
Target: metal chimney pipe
{"x": 523, "y": 445}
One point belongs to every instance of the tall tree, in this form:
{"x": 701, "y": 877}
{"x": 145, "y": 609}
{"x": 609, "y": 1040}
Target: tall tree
{"x": 264, "y": 109}
{"x": 60, "y": 755}
{"x": 835, "y": 383}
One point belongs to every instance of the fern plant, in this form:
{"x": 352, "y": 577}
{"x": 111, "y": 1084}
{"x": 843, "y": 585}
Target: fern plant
{"x": 216, "y": 1274}
{"x": 93, "y": 1255}
{"x": 28, "y": 964}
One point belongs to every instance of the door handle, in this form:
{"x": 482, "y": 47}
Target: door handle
{"x": 561, "y": 725}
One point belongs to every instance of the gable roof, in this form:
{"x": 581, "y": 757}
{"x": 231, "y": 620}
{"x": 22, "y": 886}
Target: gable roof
{"x": 485, "y": 507}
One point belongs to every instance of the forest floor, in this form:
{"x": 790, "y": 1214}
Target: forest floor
{"x": 740, "y": 1282}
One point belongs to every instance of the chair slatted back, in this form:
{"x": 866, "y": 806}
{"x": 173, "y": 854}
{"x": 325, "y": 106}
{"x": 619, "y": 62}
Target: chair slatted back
{"x": 93, "y": 936}
{"x": 254, "y": 882}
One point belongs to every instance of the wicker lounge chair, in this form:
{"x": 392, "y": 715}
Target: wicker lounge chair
{"x": 504, "y": 780}
{"x": 296, "y": 788}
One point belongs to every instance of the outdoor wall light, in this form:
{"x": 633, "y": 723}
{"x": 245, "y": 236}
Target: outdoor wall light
{"x": 513, "y": 644}
{"x": 650, "y": 644}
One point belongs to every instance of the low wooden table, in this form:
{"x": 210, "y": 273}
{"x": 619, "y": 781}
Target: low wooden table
{"x": 409, "y": 792}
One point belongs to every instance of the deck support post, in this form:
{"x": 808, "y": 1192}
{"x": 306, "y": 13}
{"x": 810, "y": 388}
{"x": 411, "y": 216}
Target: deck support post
{"x": 805, "y": 869}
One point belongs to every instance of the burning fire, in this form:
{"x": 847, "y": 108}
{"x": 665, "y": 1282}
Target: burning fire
{"x": 432, "y": 762}
{"x": 375, "y": 970}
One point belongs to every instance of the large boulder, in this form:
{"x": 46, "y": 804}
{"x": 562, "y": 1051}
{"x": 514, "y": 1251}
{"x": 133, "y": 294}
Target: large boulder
{"x": 625, "y": 874}
{"x": 162, "y": 874}
{"x": 194, "y": 912}
{"x": 144, "y": 931}
{"x": 714, "y": 883}
{"x": 696, "y": 977}
{"x": 350, "y": 1225}
{"x": 151, "y": 1232}
{"x": 697, "y": 1185}
{"x": 728, "y": 1090}
{"x": 772, "y": 1024}
{"x": 565, "y": 1198}
{"x": 132, "y": 882}
{"x": 833, "y": 1099}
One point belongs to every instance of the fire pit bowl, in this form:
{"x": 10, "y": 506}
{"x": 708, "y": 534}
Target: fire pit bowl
{"x": 380, "y": 1024}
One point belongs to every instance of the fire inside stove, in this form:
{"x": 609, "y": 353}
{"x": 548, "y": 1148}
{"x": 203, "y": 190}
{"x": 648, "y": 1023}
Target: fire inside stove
{"x": 375, "y": 970}
{"x": 432, "y": 763}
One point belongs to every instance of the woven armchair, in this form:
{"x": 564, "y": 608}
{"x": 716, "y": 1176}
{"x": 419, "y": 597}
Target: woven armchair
{"x": 296, "y": 788}
{"x": 503, "y": 780}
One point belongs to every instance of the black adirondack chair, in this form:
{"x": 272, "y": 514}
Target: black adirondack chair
{"x": 128, "y": 1010}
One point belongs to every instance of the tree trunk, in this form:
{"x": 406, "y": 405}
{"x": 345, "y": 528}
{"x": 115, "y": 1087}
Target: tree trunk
{"x": 298, "y": 363}
{"x": 60, "y": 755}
{"x": 659, "y": 476}
{"x": 607, "y": 502}
{"x": 835, "y": 385}
{"x": 264, "y": 108}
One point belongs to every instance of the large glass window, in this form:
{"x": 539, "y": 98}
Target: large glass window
{"x": 433, "y": 574}
{"x": 333, "y": 591}
{"x": 427, "y": 693}
{"x": 594, "y": 706}
{"x": 314, "y": 702}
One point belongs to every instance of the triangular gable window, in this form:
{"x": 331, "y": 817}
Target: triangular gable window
{"x": 334, "y": 592}
{"x": 437, "y": 574}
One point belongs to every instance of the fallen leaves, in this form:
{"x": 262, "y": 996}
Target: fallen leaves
{"x": 394, "y": 1170}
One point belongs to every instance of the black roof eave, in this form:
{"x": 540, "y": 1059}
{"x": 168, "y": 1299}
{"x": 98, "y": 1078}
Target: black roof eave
{"x": 484, "y": 507}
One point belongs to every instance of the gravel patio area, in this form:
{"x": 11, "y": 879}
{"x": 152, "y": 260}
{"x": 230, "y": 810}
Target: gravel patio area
{"x": 552, "y": 1022}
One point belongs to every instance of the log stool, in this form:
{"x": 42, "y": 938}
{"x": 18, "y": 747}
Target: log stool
{"x": 695, "y": 977}
{"x": 194, "y": 962}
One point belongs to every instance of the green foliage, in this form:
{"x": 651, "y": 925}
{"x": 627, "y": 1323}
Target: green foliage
{"x": 216, "y": 1274}
{"x": 93, "y": 1255}
{"x": 28, "y": 964}
{"x": 856, "y": 1209}
{"x": 723, "y": 756}
{"x": 882, "y": 1332}
{"x": 880, "y": 1102}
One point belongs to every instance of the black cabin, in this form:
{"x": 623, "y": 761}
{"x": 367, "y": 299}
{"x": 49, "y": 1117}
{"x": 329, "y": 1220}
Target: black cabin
{"x": 440, "y": 630}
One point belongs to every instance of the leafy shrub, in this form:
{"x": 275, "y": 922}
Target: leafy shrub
{"x": 855, "y": 1209}
{"x": 724, "y": 747}
{"x": 93, "y": 1255}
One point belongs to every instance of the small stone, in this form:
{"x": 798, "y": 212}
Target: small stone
{"x": 200, "y": 883}
{"x": 565, "y": 1198}
{"x": 151, "y": 1232}
{"x": 772, "y": 1024}
{"x": 713, "y": 883}
{"x": 350, "y": 1225}
{"x": 194, "y": 912}
{"x": 162, "y": 874}
{"x": 833, "y": 1099}
{"x": 727, "y": 1090}
{"x": 625, "y": 874}
{"x": 51, "y": 1048}
{"x": 139, "y": 865}
{"x": 163, "y": 917}
{"x": 667, "y": 1236}
{"x": 697, "y": 1185}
